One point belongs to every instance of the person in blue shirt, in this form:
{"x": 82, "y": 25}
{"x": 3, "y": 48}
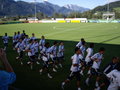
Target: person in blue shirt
{"x": 7, "y": 76}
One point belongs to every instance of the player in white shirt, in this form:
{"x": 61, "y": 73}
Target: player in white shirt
{"x": 36, "y": 46}
{"x": 33, "y": 36}
{"x": 20, "y": 48}
{"x": 80, "y": 43}
{"x": 95, "y": 70}
{"x": 45, "y": 58}
{"x": 115, "y": 64}
{"x": 18, "y": 36}
{"x": 75, "y": 69}
{"x": 14, "y": 40}
{"x": 31, "y": 53}
{"x": 23, "y": 34}
{"x": 41, "y": 45}
{"x": 60, "y": 53}
{"x": 53, "y": 55}
{"x": 5, "y": 41}
{"x": 26, "y": 40}
{"x": 88, "y": 60}
{"x": 83, "y": 48}
{"x": 114, "y": 77}
{"x": 42, "y": 42}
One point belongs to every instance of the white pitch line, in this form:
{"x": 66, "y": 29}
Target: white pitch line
{"x": 67, "y": 30}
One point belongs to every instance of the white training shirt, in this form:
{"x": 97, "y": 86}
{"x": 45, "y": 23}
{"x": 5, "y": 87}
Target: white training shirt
{"x": 75, "y": 60}
{"x": 53, "y": 50}
{"x": 96, "y": 65}
{"x": 114, "y": 79}
{"x": 14, "y": 38}
{"x": 18, "y": 36}
{"x": 89, "y": 54}
{"x": 61, "y": 50}
{"x": 42, "y": 42}
{"x": 33, "y": 38}
{"x": 32, "y": 48}
{"x": 20, "y": 46}
{"x": 5, "y": 39}
{"x": 79, "y": 44}
{"x": 82, "y": 48}
{"x": 26, "y": 41}
{"x": 36, "y": 45}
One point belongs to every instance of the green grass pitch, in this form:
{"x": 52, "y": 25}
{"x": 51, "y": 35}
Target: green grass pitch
{"x": 102, "y": 34}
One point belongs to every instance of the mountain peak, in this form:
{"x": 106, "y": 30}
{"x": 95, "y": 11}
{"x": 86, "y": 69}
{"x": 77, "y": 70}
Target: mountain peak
{"x": 76, "y": 8}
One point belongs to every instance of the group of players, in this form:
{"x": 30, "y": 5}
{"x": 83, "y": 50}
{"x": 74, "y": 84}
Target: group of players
{"x": 41, "y": 50}
{"x": 50, "y": 55}
{"x": 92, "y": 62}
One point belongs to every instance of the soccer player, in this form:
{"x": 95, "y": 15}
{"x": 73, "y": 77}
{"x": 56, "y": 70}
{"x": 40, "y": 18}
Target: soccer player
{"x": 114, "y": 77}
{"x": 95, "y": 70}
{"x": 60, "y": 53}
{"x": 33, "y": 36}
{"x": 41, "y": 45}
{"x": 80, "y": 43}
{"x": 31, "y": 53}
{"x": 18, "y": 36}
{"x": 5, "y": 41}
{"x": 23, "y": 34}
{"x": 36, "y": 45}
{"x": 53, "y": 55}
{"x": 7, "y": 76}
{"x": 75, "y": 70}
{"x": 115, "y": 64}
{"x": 45, "y": 57}
{"x": 88, "y": 60}
{"x": 83, "y": 47}
{"x": 26, "y": 40}
{"x": 20, "y": 46}
{"x": 14, "y": 40}
{"x": 42, "y": 42}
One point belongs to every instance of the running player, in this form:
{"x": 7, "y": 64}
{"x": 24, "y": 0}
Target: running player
{"x": 75, "y": 70}
{"x": 18, "y": 36}
{"x": 83, "y": 47}
{"x": 20, "y": 48}
{"x": 88, "y": 60}
{"x": 95, "y": 70}
{"x": 33, "y": 36}
{"x": 80, "y": 43}
{"x": 14, "y": 40}
{"x": 42, "y": 42}
{"x": 60, "y": 53}
{"x": 114, "y": 77}
{"x": 53, "y": 55}
{"x": 36, "y": 45}
{"x": 45, "y": 58}
{"x": 31, "y": 53}
{"x": 115, "y": 64}
{"x": 5, "y": 41}
{"x": 41, "y": 45}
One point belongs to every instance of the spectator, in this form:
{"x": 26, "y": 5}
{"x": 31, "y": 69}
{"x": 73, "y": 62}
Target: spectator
{"x": 7, "y": 76}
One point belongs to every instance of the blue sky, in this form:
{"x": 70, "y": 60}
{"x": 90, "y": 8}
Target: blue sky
{"x": 84, "y": 3}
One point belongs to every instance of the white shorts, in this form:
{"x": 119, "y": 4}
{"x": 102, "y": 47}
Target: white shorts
{"x": 87, "y": 59}
{"x": 44, "y": 58}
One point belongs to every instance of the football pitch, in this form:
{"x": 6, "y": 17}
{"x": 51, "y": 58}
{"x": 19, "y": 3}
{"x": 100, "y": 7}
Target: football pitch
{"x": 102, "y": 34}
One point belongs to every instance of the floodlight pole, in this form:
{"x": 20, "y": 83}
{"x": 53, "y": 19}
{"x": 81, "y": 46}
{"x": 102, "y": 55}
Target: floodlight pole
{"x": 108, "y": 7}
{"x": 35, "y": 10}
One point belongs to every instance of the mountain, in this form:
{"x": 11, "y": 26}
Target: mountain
{"x": 103, "y": 8}
{"x": 76, "y": 8}
{"x": 13, "y": 8}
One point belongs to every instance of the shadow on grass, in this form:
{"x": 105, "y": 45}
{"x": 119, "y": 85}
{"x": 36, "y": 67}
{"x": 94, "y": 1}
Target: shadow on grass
{"x": 32, "y": 80}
